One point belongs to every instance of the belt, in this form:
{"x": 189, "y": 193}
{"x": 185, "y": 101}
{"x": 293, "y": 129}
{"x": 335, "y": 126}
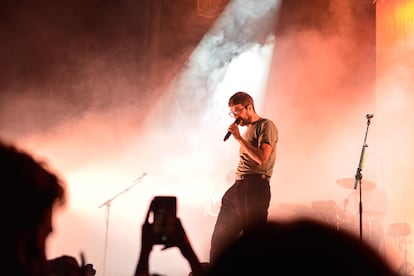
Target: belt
{"x": 252, "y": 175}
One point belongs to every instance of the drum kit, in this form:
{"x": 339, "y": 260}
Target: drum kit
{"x": 346, "y": 216}
{"x": 399, "y": 232}
{"x": 367, "y": 208}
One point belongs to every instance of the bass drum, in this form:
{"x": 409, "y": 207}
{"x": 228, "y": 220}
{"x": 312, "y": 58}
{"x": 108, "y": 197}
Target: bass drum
{"x": 372, "y": 229}
{"x": 373, "y": 202}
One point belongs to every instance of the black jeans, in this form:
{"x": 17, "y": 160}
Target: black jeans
{"x": 244, "y": 204}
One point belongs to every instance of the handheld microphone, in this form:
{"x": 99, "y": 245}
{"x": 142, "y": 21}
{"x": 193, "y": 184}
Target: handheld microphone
{"x": 369, "y": 116}
{"x": 237, "y": 121}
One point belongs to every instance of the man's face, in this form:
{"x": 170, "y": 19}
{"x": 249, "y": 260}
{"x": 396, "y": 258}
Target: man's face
{"x": 240, "y": 112}
{"x": 45, "y": 228}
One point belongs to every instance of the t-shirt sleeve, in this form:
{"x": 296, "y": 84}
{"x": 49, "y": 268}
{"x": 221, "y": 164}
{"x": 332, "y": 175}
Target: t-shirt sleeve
{"x": 269, "y": 133}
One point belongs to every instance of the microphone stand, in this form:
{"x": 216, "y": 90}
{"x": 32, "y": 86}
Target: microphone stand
{"x": 358, "y": 175}
{"x": 107, "y": 203}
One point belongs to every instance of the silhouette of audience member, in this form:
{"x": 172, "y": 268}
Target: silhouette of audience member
{"x": 68, "y": 266}
{"x": 30, "y": 192}
{"x": 300, "y": 247}
{"x": 177, "y": 237}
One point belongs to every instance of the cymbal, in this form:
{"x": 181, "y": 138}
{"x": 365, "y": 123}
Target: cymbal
{"x": 349, "y": 183}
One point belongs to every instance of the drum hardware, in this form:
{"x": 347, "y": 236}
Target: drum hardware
{"x": 348, "y": 183}
{"x": 373, "y": 215}
{"x": 329, "y": 211}
{"x": 365, "y": 185}
{"x": 400, "y": 231}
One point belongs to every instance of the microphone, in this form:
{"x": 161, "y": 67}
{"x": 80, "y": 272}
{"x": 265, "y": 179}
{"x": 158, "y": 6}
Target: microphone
{"x": 237, "y": 121}
{"x": 369, "y": 116}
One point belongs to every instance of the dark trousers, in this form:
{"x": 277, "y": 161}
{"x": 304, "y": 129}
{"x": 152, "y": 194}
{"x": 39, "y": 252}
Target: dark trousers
{"x": 244, "y": 204}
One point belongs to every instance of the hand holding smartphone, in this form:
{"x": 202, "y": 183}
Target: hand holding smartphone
{"x": 162, "y": 226}
{"x": 162, "y": 216}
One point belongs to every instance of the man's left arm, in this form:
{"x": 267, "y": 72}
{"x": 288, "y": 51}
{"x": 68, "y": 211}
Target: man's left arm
{"x": 267, "y": 140}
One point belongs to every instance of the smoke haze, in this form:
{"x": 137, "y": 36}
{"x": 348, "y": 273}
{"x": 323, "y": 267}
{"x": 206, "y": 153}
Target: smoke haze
{"x": 107, "y": 90}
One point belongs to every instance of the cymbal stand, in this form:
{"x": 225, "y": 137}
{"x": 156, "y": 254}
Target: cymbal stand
{"x": 358, "y": 175}
{"x": 405, "y": 267}
{"x": 107, "y": 204}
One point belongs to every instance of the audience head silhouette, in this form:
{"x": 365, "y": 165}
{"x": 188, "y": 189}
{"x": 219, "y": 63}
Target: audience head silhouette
{"x": 30, "y": 191}
{"x": 299, "y": 247}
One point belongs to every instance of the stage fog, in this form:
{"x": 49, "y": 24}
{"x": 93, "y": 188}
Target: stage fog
{"x": 128, "y": 100}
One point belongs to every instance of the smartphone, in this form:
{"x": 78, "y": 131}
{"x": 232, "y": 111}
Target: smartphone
{"x": 162, "y": 216}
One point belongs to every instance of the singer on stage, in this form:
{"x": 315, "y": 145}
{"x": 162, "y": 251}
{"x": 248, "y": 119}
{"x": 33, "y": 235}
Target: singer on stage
{"x": 246, "y": 202}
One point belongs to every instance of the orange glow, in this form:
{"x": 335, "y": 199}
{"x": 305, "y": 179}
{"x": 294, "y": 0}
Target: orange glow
{"x": 404, "y": 16}
{"x": 395, "y": 30}
{"x": 395, "y": 20}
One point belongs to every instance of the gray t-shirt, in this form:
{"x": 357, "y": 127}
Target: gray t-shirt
{"x": 261, "y": 131}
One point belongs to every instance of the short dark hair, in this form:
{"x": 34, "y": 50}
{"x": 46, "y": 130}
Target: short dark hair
{"x": 29, "y": 184}
{"x": 241, "y": 98}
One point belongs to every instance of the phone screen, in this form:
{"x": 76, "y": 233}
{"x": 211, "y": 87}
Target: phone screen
{"x": 164, "y": 212}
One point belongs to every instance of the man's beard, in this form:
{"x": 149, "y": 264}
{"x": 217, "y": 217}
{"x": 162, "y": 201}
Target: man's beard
{"x": 244, "y": 122}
